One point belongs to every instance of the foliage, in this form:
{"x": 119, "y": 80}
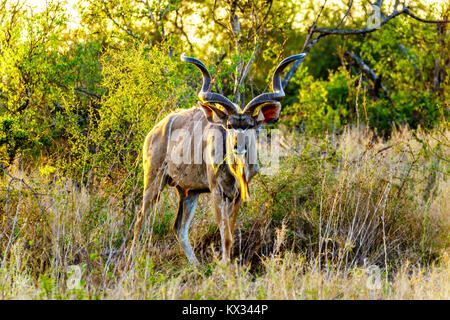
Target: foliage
{"x": 141, "y": 86}
{"x": 322, "y": 104}
{"x": 12, "y": 140}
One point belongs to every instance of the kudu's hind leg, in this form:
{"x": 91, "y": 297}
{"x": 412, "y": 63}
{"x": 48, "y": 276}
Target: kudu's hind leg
{"x": 151, "y": 196}
{"x": 186, "y": 211}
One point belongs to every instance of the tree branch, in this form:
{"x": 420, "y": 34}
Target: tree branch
{"x": 88, "y": 93}
{"x": 108, "y": 14}
{"x": 297, "y": 63}
{"x": 408, "y": 54}
{"x": 213, "y": 14}
{"x": 236, "y": 28}
{"x": 412, "y": 15}
{"x": 247, "y": 68}
{"x": 345, "y": 15}
{"x": 323, "y": 32}
{"x": 369, "y": 73}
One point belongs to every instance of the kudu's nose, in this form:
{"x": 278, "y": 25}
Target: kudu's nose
{"x": 239, "y": 152}
{"x": 240, "y": 148}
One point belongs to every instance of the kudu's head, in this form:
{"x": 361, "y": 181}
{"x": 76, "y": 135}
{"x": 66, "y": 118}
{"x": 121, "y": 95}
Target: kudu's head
{"x": 240, "y": 124}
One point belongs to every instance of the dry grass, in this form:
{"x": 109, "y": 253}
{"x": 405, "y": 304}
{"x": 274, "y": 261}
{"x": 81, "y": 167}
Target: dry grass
{"x": 348, "y": 217}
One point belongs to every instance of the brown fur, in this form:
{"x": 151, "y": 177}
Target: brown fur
{"x": 190, "y": 179}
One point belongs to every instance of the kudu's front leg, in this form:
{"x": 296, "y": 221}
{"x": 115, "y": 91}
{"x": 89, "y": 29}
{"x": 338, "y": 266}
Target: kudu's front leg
{"x": 226, "y": 210}
{"x": 186, "y": 211}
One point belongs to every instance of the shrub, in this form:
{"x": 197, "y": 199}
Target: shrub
{"x": 12, "y": 140}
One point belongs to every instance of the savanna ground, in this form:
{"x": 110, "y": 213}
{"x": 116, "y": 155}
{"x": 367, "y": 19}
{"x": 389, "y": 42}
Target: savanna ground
{"x": 357, "y": 210}
{"x": 346, "y": 217}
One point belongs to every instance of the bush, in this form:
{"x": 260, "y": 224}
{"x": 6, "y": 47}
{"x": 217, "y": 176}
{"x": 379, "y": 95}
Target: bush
{"x": 322, "y": 104}
{"x": 342, "y": 200}
{"x": 141, "y": 86}
{"x": 12, "y": 140}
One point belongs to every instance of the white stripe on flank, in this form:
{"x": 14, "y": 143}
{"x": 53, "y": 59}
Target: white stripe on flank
{"x": 170, "y": 132}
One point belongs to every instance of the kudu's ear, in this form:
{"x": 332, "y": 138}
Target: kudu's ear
{"x": 213, "y": 114}
{"x": 268, "y": 114}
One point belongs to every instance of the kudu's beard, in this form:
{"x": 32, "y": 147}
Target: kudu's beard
{"x": 237, "y": 164}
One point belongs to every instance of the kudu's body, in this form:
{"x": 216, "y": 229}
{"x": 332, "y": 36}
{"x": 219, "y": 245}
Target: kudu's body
{"x": 209, "y": 148}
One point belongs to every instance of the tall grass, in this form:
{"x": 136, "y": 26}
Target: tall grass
{"x": 346, "y": 217}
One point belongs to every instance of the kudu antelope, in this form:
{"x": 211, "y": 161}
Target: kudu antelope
{"x": 224, "y": 169}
